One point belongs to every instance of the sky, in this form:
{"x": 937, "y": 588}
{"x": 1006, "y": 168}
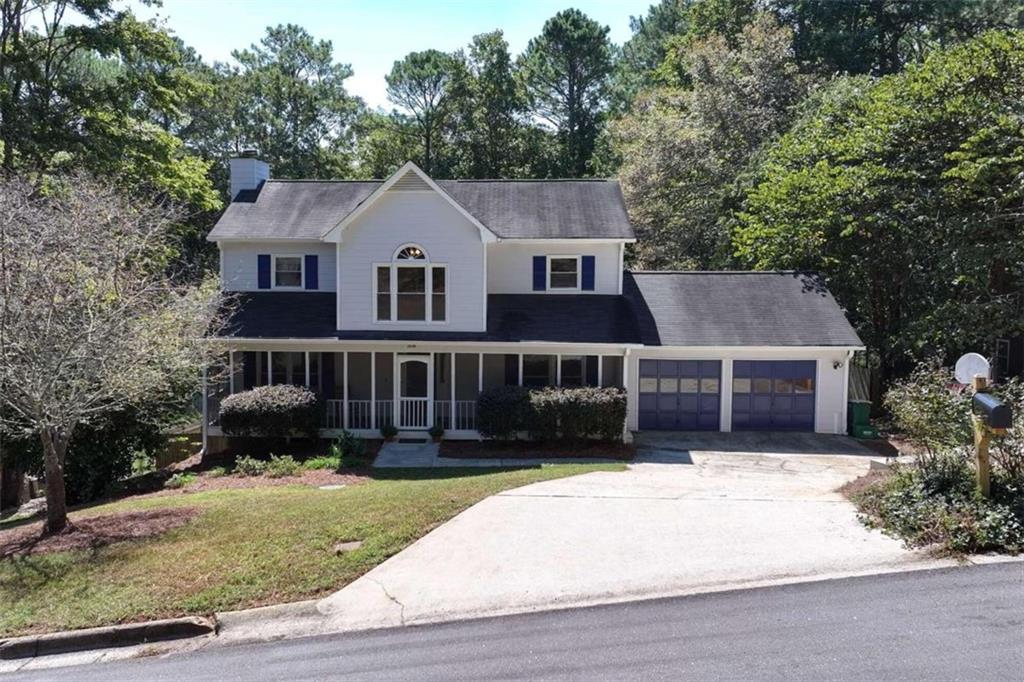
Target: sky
{"x": 371, "y": 34}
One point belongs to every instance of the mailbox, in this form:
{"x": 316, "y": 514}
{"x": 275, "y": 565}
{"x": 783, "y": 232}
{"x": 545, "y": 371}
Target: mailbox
{"x": 995, "y": 413}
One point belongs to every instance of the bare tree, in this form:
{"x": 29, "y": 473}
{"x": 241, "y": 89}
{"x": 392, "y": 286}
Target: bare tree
{"x": 92, "y": 319}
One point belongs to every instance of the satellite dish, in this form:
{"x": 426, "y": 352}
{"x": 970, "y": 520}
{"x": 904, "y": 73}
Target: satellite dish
{"x": 969, "y": 366}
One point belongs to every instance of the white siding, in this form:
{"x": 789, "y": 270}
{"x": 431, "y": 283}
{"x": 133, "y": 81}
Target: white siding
{"x": 239, "y": 263}
{"x": 423, "y": 218}
{"x": 830, "y": 389}
{"x": 510, "y": 264}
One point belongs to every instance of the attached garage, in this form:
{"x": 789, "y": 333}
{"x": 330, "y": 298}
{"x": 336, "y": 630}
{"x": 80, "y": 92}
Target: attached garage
{"x": 737, "y": 351}
{"x": 680, "y": 395}
{"x": 773, "y": 395}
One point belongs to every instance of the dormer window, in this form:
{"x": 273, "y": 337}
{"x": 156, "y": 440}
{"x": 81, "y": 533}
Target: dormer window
{"x": 410, "y": 288}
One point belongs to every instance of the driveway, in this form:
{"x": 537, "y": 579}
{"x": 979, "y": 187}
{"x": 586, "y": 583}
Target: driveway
{"x": 695, "y": 513}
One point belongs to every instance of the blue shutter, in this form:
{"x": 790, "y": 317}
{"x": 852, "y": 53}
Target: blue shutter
{"x": 312, "y": 272}
{"x": 540, "y": 272}
{"x": 263, "y": 270}
{"x": 587, "y": 277}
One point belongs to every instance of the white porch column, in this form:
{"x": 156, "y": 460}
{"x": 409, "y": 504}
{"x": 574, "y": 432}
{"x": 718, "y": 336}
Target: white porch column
{"x": 344, "y": 389}
{"x": 373, "y": 389}
{"x": 520, "y": 369}
{"x": 725, "y": 418}
{"x": 558, "y": 369}
{"x": 600, "y": 370}
{"x": 270, "y": 364}
{"x": 480, "y": 373}
{"x": 231, "y": 372}
{"x": 451, "y": 386}
{"x": 632, "y": 397}
{"x": 307, "y": 369}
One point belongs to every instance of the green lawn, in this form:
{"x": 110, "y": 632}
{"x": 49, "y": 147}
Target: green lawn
{"x": 247, "y": 547}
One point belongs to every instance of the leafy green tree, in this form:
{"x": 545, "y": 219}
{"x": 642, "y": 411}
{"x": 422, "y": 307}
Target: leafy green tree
{"x": 566, "y": 71}
{"x": 292, "y": 105}
{"x": 384, "y": 142}
{"x": 99, "y": 93}
{"x": 880, "y": 36}
{"x": 421, "y": 83}
{"x": 906, "y": 193}
{"x": 491, "y": 109}
{"x": 646, "y": 50}
{"x": 684, "y": 149}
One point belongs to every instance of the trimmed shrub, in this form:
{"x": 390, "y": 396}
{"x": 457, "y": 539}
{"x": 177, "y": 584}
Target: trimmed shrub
{"x": 551, "y": 414}
{"x": 502, "y": 412}
{"x": 250, "y": 466}
{"x": 285, "y": 465}
{"x": 436, "y": 431}
{"x": 329, "y": 462}
{"x": 349, "y": 449}
{"x": 577, "y": 414}
{"x": 388, "y": 431}
{"x": 281, "y": 410}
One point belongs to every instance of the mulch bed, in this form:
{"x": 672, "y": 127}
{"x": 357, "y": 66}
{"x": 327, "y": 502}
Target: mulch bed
{"x": 468, "y": 449}
{"x": 314, "y": 478}
{"x": 851, "y": 489}
{"x": 94, "y": 532}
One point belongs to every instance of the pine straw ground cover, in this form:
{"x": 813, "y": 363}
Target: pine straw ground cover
{"x": 239, "y": 547}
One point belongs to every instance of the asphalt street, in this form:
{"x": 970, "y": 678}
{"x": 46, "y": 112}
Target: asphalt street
{"x": 951, "y": 624}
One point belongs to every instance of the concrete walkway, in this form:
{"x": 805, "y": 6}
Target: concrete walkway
{"x": 677, "y": 522}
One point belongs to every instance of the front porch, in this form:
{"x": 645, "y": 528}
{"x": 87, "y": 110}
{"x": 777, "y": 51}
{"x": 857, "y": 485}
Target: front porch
{"x": 364, "y": 390}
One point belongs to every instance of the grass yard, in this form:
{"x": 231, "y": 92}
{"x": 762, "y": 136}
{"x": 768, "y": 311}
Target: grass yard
{"x": 244, "y": 547}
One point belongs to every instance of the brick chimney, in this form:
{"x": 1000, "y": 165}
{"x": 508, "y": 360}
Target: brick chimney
{"x": 247, "y": 172}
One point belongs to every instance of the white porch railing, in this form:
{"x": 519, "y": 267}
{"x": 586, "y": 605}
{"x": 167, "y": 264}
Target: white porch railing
{"x": 359, "y": 416}
{"x": 452, "y": 416}
{"x": 459, "y": 415}
{"x": 413, "y": 413}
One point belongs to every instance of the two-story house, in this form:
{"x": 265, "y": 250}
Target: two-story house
{"x": 398, "y": 301}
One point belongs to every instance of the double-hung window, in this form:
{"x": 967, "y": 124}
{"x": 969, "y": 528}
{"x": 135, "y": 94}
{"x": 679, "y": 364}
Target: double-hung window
{"x": 411, "y": 288}
{"x": 287, "y": 272}
{"x": 564, "y": 272}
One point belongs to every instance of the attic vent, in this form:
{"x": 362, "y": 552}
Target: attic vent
{"x": 410, "y": 182}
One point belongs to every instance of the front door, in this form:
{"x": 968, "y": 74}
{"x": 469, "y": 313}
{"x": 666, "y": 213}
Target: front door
{"x": 415, "y": 384}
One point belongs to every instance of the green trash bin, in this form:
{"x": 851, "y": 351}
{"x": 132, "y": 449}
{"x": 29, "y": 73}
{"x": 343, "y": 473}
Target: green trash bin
{"x": 858, "y": 414}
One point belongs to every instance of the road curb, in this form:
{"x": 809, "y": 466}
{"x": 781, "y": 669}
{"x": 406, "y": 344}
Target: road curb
{"x": 105, "y": 637}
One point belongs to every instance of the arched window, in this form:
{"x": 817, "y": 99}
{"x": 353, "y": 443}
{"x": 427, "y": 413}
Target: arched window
{"x": 411, "y": 288}
{"x": 411, "y": 252}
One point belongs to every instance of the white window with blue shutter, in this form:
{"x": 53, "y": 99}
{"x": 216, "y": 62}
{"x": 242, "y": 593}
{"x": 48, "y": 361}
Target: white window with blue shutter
{"x": 288, "y": 272}
{"x": 563, "y": 273}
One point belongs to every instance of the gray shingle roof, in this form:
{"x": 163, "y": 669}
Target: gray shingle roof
{"x": 510, "y": 317}
{"x": 657, "y": 309}
{"x": 512, "y": 209}
{"x": 285, "y": 209}
{"x": 736, "y": 309}
{"x": 545, "y": 209}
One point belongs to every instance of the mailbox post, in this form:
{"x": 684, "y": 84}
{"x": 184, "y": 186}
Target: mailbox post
{"x": 991, "y": 417}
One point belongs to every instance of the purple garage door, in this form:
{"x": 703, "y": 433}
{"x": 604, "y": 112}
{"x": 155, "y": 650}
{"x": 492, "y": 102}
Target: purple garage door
{"x": 680, "y": 395}
{"x": 773, "y": 395}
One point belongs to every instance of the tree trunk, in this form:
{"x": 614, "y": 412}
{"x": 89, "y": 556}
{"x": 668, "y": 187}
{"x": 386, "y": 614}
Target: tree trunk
{"x": 55, "y": 447}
